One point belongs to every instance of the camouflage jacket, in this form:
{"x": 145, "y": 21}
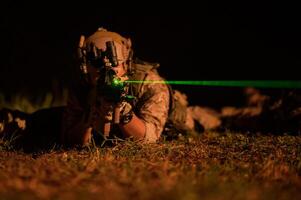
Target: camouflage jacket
{"x": 152, "y": 105}
{"x": 153, "y": 99}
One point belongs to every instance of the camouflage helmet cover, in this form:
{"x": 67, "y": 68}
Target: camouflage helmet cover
{"x": 101, "y": 36}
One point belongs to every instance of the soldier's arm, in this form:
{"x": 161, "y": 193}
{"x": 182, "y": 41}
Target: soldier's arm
{"x": 135, "y": 128}
{"x": 148, "y": 123}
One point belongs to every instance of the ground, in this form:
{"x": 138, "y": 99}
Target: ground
{"x": 211, "y": 166}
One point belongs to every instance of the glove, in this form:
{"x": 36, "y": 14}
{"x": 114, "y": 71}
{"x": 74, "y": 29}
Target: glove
{"x": 125, "y": 108}
{"x": 107, "y": 110}
{"x": 126, "y": 113}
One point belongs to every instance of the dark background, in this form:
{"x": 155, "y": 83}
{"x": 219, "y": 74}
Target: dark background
{"x": 191, "y": 42}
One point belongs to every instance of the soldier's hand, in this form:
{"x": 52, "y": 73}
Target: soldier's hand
{"x": 126, "y": 113}
{"x": 108, "y": 111}
{"x": 125, "y": 108}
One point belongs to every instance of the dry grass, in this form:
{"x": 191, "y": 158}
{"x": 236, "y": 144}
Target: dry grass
{"x": 213, "y": 166}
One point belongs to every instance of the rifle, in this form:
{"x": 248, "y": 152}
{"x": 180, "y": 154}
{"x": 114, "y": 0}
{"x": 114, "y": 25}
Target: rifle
{"x": 109, "y": 84}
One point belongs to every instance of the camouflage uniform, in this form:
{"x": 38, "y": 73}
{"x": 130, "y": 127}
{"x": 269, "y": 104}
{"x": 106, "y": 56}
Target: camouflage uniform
{"x": 157, "y": 105}
{"x": 151, "y": 105}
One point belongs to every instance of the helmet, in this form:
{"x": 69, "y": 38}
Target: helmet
{"x": 123, "y": 45}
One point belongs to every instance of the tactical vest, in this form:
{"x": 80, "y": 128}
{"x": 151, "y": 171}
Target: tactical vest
{"x": 177, "y": 112}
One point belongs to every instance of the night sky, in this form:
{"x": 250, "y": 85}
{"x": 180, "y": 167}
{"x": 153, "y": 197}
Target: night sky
{"x": 205, "y": 42}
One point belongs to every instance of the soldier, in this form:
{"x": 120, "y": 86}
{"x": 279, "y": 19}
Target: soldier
{"x": 98, "y": 108}
{"x": 91, "y": 107}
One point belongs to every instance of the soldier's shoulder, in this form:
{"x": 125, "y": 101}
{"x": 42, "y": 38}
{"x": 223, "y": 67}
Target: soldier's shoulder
{"x": 154, "y": 76}
{"x": 139, "y": 61}
{"x": 159, "y": 85}
{"x": 146, "y": 71}
{"x": 144, "y": 66}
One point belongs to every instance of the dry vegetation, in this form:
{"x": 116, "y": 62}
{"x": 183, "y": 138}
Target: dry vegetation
{"x": 212, "y": 166}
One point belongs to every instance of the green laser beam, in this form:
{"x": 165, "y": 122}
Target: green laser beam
{"x": 230, "y": 83}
